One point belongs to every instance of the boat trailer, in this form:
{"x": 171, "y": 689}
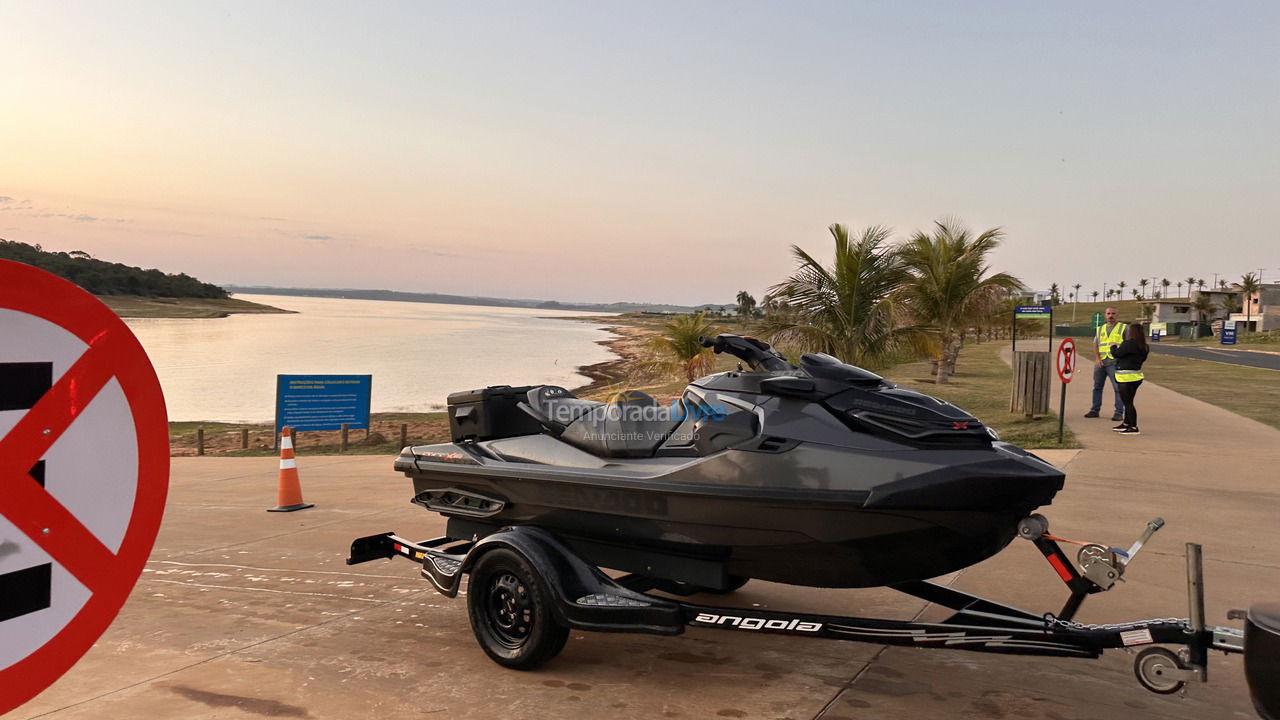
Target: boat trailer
{"x": 527, "y": 588}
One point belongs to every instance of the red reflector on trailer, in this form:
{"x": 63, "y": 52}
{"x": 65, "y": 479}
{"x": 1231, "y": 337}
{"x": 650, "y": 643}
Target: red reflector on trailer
{"x": 398, "y": 547}
{"x": 1057, "y": 564}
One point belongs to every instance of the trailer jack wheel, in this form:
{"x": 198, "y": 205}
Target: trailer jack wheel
{"x": 511, "y": 611}
{"x": 1160, "y": 671}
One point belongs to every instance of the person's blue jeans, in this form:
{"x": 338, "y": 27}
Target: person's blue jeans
{"x": 1100, "y": 377}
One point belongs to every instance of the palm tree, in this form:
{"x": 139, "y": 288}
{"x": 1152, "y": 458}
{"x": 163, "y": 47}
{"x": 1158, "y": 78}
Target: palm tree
{"x": 848, "y": 309}
{"x": 1200, "y": 284}
{"x": 1204, "y": 306}
{"x": 1190, "y": 281}
{"x": 1095, "y": 295}
{"x": 1230, "y": 305}
{"x": 1121, "y": 285}
{"x": 746, "y": 303}
{"x": 1054, "y": 293}
{"x": 1134, "y": 292}
{"x": 1144, "y": 282}
{"x": 1164, "y": 283}
{"x": 1248, "y": 286}
{"x": 950, "y": 281}
{"x": 1222, "y": 284}
{"x": 680, "y": 347}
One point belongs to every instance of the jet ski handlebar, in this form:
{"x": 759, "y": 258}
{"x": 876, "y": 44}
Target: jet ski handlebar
{"x": 755, "y": 353}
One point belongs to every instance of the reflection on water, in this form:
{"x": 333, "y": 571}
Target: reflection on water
{"x": 418, "y": 353}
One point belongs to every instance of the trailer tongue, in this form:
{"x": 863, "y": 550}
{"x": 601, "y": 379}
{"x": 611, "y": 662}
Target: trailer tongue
{"x": 528, "y": 587}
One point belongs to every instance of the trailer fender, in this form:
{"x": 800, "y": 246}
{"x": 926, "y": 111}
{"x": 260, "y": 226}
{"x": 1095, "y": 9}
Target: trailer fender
{"x": 586, "y": 598}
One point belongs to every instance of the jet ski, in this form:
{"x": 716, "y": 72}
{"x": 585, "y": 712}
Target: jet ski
{"x": 822, "y": 475}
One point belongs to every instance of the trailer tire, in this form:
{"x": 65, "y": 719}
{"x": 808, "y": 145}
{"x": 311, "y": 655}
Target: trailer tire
{"x": 511, "y": 611}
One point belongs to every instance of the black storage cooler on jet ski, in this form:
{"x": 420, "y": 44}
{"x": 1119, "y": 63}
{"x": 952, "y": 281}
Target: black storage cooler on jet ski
{"x": 822, "y": 475}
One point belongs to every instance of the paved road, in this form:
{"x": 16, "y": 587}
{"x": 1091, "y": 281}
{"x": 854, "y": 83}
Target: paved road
{"x": 1270, "y": 361}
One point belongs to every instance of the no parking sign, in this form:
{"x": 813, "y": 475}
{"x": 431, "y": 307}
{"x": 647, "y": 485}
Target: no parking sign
{"x": 84, "y": 470}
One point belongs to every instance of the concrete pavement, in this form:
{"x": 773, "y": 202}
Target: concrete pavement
{"x": 247, "y": 614}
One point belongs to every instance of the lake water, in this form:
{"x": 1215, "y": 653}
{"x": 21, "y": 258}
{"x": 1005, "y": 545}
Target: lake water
{"x": 225, "y": 369}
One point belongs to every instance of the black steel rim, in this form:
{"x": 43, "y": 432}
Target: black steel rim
{"x": 509, "y": 610}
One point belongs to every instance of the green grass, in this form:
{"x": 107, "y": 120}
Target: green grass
{"x": 223, "y": 439}
{"x": 1268, "y": 340}
{"x": 131, "y": 306}
{"x": 1248, "y": 391}
{"x": 1129, "y": 310}
{"x": 981, "y": 385}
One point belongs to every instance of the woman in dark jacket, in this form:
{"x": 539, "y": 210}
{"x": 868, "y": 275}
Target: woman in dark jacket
{"x": 1130, "y": 355}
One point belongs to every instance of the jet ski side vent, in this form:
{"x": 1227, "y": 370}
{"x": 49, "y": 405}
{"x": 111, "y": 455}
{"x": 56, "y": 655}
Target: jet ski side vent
{"x": 451, "y": 501}
{"x": 773, "y": 444}
{"x": 946, "y": 433}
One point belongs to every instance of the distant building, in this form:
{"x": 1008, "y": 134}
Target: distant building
{"x": 1171, "y": 311}
{"x": 1217, "y": 297}
{"x": 1027, "y": 296}
{"x": 1260, "y": 311}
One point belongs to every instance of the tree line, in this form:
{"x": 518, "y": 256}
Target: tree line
{"x": 877, "y": 303}
{"x": 1227, "y": 299}
{"x": 107, "y": 278}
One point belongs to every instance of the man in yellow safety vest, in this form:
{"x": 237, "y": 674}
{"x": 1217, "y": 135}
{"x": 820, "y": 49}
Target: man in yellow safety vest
{"x": 1105, "y": 337}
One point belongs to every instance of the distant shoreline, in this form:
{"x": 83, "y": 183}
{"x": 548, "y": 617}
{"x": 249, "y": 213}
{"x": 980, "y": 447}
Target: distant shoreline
{"x": 135, "y": 306}
{"x": 479, "y": 301}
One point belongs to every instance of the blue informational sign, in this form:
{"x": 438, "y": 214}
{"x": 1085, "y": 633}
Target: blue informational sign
{"x": 1031, "y": 311}
{"x": 1228, "y": 336}
{"x": 322, "y": 402}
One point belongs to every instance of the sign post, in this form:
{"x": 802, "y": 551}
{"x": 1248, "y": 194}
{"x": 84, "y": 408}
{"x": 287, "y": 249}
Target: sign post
{"x": 1228, "y": 334}
{"x": 84, "y": 467}
{"x": 1066, "y": 363}
{"x": 1033, "y": 312}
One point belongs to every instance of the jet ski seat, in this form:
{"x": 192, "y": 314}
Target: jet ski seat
{"x": 630, "y": 425}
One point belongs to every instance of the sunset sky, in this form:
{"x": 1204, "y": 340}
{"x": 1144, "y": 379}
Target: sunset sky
{"x": 667, "y": 151}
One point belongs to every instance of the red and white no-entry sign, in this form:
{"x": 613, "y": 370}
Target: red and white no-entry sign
{"x": 1066, "y": 360}
{"x": 84, "y": 469}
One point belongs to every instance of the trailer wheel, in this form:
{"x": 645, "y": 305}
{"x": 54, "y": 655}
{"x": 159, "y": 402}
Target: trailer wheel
{"x": 511, "y": 614}
{"x": 1153, "y": 667}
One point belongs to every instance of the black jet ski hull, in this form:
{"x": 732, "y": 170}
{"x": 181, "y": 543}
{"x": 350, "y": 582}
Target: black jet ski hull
{"x": 803, "y": 536}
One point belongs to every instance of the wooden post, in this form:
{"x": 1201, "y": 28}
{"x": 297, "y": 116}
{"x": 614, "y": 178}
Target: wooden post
{"x": 244, "y": 438}
{"x": 1030, "y": 383}
{"x": 293, "y": 438}
{"x": 346, "y": 430}
{"x": 200, "y": 440}
{"x": 404, "y": 434}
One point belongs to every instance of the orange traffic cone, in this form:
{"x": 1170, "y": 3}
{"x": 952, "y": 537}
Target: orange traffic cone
{"x": 289, "y": 494}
